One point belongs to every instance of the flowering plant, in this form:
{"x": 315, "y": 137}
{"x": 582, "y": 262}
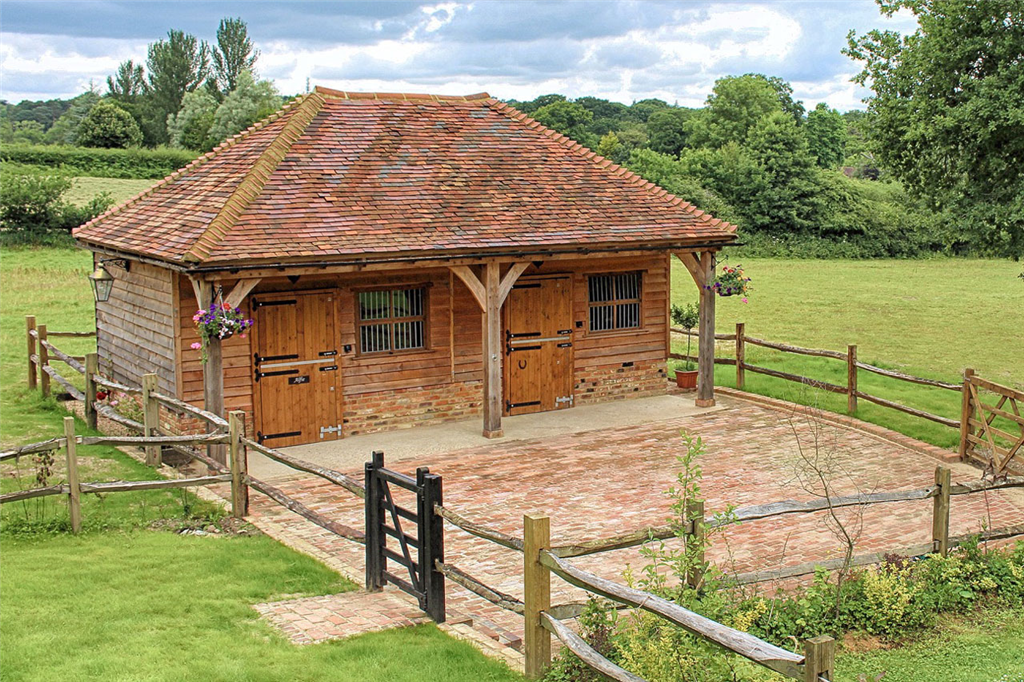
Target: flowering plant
{"x": 219, "y": 321}
{"x": 731, "y": 282}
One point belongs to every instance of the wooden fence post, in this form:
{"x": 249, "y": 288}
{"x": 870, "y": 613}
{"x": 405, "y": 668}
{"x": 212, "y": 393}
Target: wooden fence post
{"x": 431, "y": 539}
{"x": 695, "y": 536}
{"x": 851, "y": 379}
{"x": 92, "y": 368}
{"x": 151, "y": 417}
{"x": 966, "y": 409}
{"x": 44, "y": 362}
{"x": 239, "y": 465}
{"x": 374, "y": 518}
{"x": 741, "y": 353}
{"x": 536, "y": 593}
{"x": 74, "y": 491}
{"x": 819, "y": 659}
{"x": 30, "y": 326}
{"x": 940, "y": 511}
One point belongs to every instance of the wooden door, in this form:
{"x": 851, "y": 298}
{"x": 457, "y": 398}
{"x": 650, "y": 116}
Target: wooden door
{"x": 297, "y": 379}
{"x": 538, "y": 346}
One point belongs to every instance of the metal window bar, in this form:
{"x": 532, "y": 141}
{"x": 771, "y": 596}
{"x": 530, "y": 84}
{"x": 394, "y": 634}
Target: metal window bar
{"x": 614, "y": 301}
{"x": 397, "y": 320}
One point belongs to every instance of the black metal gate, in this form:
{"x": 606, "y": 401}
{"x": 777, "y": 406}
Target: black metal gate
{"x": 416, "y": 553}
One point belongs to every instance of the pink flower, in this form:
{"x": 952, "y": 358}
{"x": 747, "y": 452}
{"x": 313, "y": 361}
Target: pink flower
{"x": 744, "y": 300}
{"x": 241, "y": 336}
{"x": 196, "y": 345}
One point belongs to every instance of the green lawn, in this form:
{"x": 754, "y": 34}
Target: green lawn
{"x": 120, "y": 190}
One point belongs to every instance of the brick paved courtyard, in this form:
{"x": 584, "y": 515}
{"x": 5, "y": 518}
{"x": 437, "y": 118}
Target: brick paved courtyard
{"x": 609, "y": 481}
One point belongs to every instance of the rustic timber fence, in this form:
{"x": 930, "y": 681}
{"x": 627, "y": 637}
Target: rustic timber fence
{"x": 980, "y": 440}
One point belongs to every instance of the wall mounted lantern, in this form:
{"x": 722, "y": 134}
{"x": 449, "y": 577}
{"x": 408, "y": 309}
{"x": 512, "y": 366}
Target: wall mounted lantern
{"x": 102, "y": 281}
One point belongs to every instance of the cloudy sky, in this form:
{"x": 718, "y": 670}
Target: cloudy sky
{"x": 623, "y": 50}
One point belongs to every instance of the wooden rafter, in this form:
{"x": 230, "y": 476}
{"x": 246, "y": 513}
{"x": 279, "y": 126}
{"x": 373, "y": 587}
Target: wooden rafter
{"x": 692, "y": 263}
{"x": 240, "y": 291}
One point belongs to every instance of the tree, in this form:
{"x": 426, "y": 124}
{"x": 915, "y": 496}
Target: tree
{"x": 643, "y": 109}
{"x": 177, "y": 65}
{"x": 568, "y": 118}
{"x": 65, "y": 129}
{"x": 532, "y": 106}
{"x": 248, "y": 103}
{"x": 948, "y": 115}
{"x": 676, "y": 177}
{"x": 233, "y": 54}
{"x": 668, "y": 129}
{"x": 128, "y": 83}
{"x": 784, "y": 91}
{"x": 734, "y": 107}
{"x": 826, "y": 136}
{"x": 109, "y": 126}
{"x": 190, "y": 127}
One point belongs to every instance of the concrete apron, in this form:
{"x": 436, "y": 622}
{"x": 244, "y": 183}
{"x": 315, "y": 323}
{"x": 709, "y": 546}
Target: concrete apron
{"x": 426, "y": 443}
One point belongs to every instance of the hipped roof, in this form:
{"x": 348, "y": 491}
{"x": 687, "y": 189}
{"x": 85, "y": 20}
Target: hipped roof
{"x": 335, "y": 175}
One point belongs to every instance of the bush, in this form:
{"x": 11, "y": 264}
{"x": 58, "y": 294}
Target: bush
{"x": 148, "y": 164}
{"x": 110, "y": 127}
{"x": 32, "y": 205}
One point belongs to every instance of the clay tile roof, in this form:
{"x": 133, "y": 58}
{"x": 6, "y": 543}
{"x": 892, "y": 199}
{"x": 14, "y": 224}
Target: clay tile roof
{"x": 338, "y": 174}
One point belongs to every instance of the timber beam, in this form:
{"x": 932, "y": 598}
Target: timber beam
{"x": 701, "y": 266}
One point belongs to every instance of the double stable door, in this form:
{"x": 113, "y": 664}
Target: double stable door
{"x": 295, "y": 368}
{"x": 538, "y": 367}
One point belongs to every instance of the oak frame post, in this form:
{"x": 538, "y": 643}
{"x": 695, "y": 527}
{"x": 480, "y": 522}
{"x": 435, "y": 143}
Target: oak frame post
{"x": 965, "y": 414}
{"x": 213, "y": 391}
{"x": 30, "y": 326}
{"x": 741, "y": 355}
{"x": 940, "y": 511}
{"x": 819, "y": 658}
{"x": 851, "y": 378}
{"x": 695, "y": 537}
{"x": 706, "y": 334}
{"x": 492, "y": 352}
{"x": 74, "y": 489}
{"x": 536, "y": 594}
{"x": 239, "y": 465}
{"x": 151, "y": 418}
{"x": 92, "y": 368}
{"x": 44, "y": 362}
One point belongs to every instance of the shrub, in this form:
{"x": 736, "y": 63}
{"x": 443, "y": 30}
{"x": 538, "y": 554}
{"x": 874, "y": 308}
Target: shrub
{"x": 110, "y": 127}
{"x": 145, "y": 164}
{"x": 32, "y": 205}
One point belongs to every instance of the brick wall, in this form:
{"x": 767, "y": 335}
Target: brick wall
{"x": 625, "y": 380}
{"x": 387, "y": 410}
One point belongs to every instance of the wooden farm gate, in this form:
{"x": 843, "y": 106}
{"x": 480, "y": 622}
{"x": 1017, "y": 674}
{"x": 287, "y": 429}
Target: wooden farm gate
{"x": 419, "y": 553}
{"x": 992, "y": 435}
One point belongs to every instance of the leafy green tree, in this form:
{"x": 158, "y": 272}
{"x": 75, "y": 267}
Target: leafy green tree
{"x": 65, "y": 129}
{"x": 177, "y": 65}
{"x": 109, "y": 126}
{"x": 826, "y": 136}
{"x": 676, "y": 177}
{"x": 21, "y": 132}
{"x": 233, "y": 54}
{"x": 128, "y": 83}
{"x": 568, "y": 118}
{"x": 734, "y": 107}
{"x": 784, "y": 91}
{"x": 642, "y": 110}
{"x": 609, "y": 146}
{"x": 789, "y": 201}
{"x": 668, "y": 129}
{"x": 535, "y": 104}
{"x": 249, "y": 102}
{"x": 948, "y": 113}
{"x": 190, "y": 127}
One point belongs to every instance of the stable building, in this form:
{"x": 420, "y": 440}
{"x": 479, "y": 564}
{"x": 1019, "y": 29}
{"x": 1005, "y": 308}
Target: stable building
{"x": 406, "y": 259}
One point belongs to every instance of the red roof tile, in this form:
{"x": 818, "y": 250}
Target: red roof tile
{"x": 337, "y": 174}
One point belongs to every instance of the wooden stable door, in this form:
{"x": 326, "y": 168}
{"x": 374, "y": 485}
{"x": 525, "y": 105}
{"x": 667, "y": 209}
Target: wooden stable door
{"x": 538, "y": 346}
{"x": 297, "y": 379}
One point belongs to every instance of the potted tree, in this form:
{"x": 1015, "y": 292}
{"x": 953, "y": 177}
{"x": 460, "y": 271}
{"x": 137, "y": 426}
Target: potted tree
{"x": 687, "y": 317}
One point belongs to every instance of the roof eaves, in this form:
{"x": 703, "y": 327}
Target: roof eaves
{"x": 256, "y": 179}
{"x": 608, "y": 164}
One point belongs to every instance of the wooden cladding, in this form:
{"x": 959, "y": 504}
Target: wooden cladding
{"x": 615, "y": 301}
{"x": 392, "y": 319}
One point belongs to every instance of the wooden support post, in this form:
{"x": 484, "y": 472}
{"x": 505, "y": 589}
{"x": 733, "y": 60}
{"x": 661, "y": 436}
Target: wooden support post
{"x": 74, "y": 491}
{"x": 695, "y": 543}
{"x": 851, "y": 379}
{"x": 151, "y": 418}
{"x": 92, "y": 368}
{"x": 431, "y": 538}
{"x": 239, "y": 465}
{"x": 44, "y": 362}
{"x": 706, "y": 331}
{"x": 30, "y": 326}
{"x": 819, "y": 659}
{"x": 374, "y": 519}
{"x": 940, "y": 511}
{"x": 492, "y": 352}
{"x": 741, "y": 355}
{"x": 965, "y": 414}
{"x": 213, "y": 391}
{"x": 536, "y": 594}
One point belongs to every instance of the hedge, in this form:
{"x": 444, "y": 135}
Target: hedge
{"x": 147, "y": 164}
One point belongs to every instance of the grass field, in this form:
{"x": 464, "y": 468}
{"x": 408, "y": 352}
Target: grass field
{"x": 85, "y": 189}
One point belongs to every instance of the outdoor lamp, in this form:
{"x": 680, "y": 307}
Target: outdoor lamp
{"x": 102, "y": 282}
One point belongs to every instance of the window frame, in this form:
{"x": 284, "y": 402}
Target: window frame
{"x": 391, "y": 320}
{"x": 614, "y": 302}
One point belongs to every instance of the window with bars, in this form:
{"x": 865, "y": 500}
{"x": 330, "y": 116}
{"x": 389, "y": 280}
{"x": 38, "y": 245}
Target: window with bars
{"x": 614, "y": 301}
{"x": 392, "y": 320}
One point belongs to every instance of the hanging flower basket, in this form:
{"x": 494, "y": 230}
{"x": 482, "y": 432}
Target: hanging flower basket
{"x": 732, "y": 282}
{"x": 219, "y": 321}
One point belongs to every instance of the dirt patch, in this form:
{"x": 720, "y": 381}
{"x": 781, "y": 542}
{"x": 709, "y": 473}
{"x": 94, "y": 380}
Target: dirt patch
{"x": 862, "y": 642}
{"x": 224, "y": 527}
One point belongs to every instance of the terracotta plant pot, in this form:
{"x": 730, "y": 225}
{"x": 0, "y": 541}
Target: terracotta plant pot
{"x": 686, "y": 379}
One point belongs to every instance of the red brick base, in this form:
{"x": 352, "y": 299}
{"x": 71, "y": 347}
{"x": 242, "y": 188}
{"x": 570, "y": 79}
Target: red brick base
{"x": 626, "y": 380}
{"x": 388, "y": 410}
